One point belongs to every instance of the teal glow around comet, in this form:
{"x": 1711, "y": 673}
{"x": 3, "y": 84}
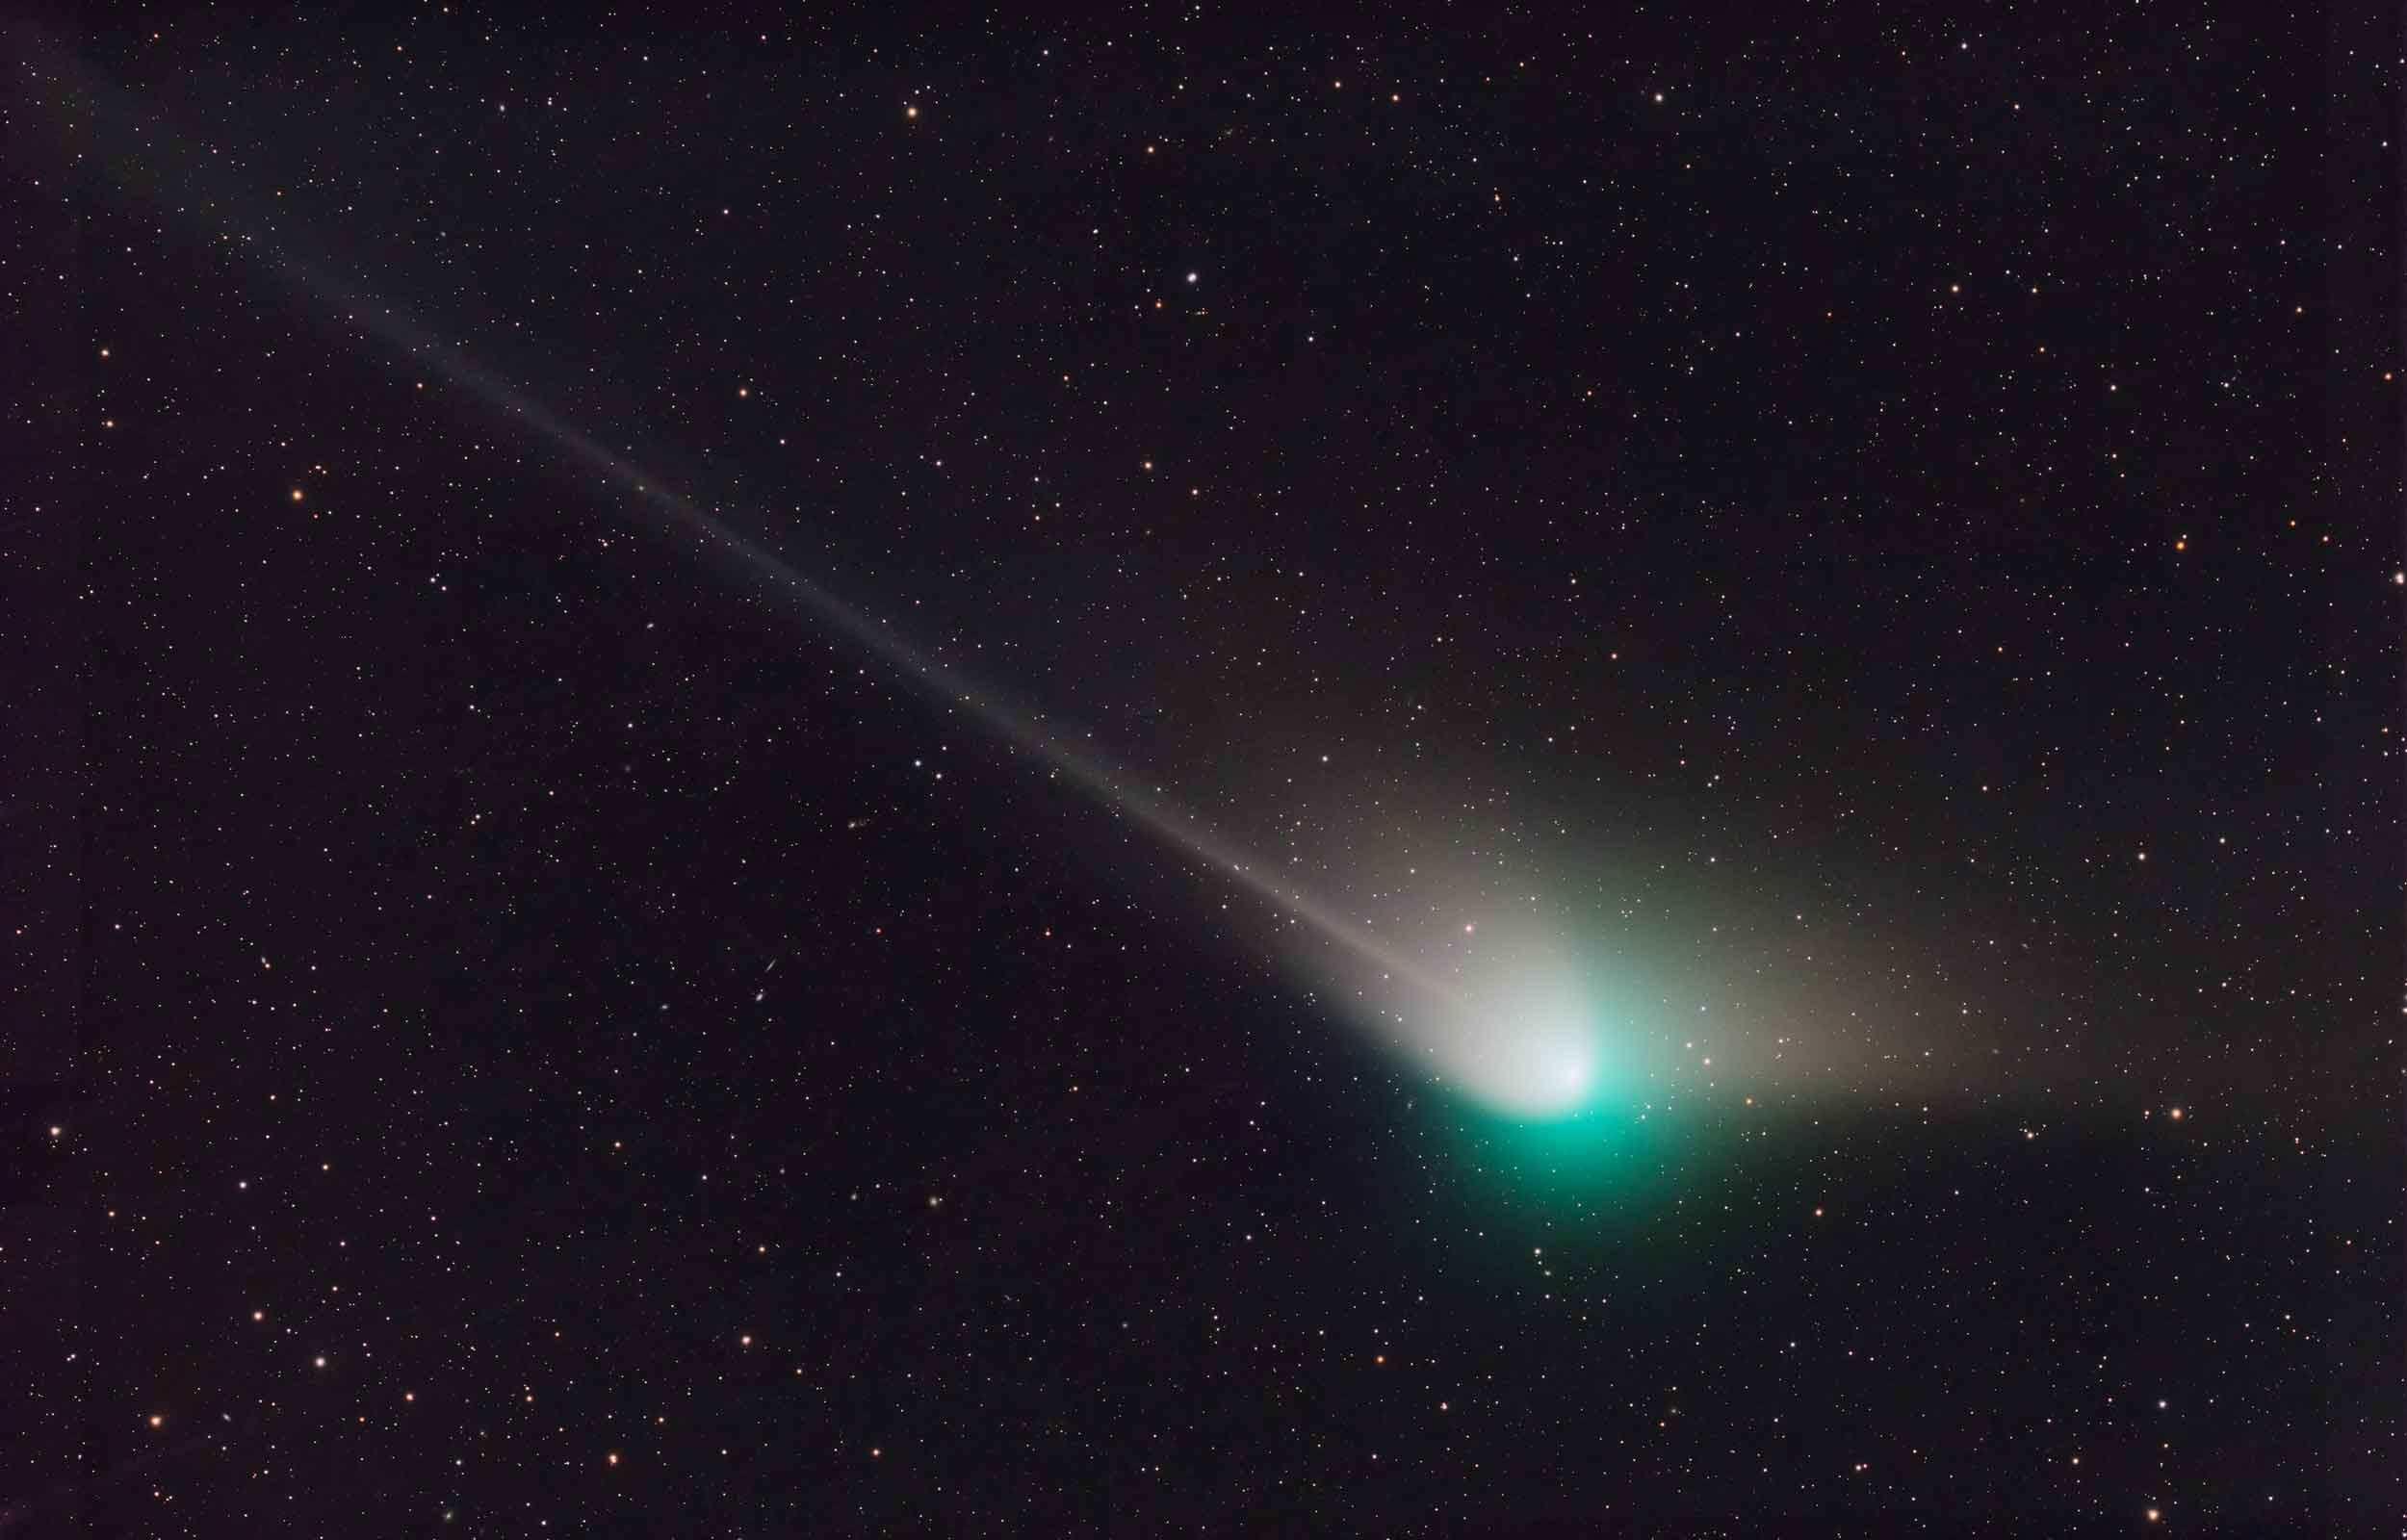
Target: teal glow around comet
{"x": 1613, "y": 1149}
{"x": 1559, "y": 1082}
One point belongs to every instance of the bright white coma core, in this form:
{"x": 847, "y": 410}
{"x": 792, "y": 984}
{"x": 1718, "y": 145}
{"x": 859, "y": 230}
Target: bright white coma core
{"x": 1525, "y": 1045}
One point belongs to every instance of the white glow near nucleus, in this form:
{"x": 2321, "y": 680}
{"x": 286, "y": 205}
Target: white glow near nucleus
{"x": 1513, "y": 1026}
{"x": 1528, "y": 1046}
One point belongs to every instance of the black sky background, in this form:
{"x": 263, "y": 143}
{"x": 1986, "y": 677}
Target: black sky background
{"x": 1823, "y": 526}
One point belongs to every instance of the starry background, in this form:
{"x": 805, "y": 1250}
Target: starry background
{"x": 1881, "y": 523}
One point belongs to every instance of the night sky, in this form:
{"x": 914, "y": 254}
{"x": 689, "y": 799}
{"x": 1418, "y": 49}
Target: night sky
{"x": 1182, "y": 771}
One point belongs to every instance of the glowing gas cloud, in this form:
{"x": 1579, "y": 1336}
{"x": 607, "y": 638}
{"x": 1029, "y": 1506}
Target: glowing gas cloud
{"x": 1511, "y": 1027}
